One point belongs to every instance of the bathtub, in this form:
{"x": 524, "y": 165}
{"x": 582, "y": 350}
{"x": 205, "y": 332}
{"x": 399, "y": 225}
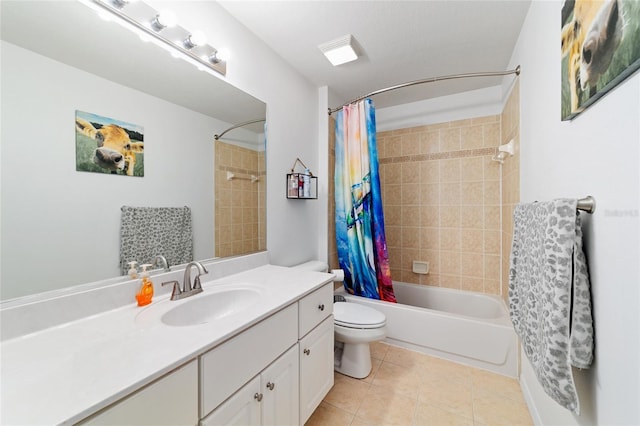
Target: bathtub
{"x": 462, "y": 326}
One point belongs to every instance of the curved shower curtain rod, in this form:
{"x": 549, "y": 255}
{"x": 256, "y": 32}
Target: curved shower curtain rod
{"x": 429, "y": 80}
{"x": 235, "y": 126}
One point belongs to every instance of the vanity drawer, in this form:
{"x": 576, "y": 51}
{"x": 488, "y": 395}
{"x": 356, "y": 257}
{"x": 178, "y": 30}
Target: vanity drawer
{"x": 226, "y": 368}
{"x": 315, "y": 307}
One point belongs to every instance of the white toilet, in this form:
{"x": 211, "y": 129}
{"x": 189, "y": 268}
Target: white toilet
{"x": 355, "y": 326}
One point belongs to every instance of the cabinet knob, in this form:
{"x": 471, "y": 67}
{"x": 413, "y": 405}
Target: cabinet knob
{"x": 307, "y": 351}
{"x": 321, "y": 307}
{"x": 270, "y": 386}
{"x": 258, "y": 397}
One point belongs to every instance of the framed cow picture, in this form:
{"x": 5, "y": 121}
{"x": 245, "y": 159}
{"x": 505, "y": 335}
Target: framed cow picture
{"x": 107, "y": 145}
{"x": 600, "y": 44}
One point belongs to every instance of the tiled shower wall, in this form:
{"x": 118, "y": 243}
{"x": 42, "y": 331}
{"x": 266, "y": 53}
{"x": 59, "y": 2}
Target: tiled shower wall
{"x": 441, "y": 197}
{"x": 443, "y": 200}
{"x": 240, "y": 203}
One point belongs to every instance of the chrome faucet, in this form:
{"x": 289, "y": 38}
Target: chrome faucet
{"x": 187, "y": 289}
{"x": 186, "y": 282}
{"x": 163, "y": 263}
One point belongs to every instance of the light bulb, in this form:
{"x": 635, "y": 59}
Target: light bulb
{"x": 164, "y": 19}
{"x": 223, "y": 54}
{"x": 197, "y": 38}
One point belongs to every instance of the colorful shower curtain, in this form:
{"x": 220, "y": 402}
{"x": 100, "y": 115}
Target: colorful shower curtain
{"x": 361, "y": 242}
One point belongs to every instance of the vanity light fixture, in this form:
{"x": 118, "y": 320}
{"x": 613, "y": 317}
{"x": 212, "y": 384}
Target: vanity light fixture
{"x": 339, "y": 51}
{"x": 162, "y": 27}
{"x": 214, "y": 59}
{"x": 197, "y": 38}
{"x": 120, "y": 3}
{"x": 164, "y": 19}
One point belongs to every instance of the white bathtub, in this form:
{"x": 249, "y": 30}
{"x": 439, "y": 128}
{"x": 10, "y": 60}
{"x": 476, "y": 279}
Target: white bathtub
{"x": 462, "y": 326}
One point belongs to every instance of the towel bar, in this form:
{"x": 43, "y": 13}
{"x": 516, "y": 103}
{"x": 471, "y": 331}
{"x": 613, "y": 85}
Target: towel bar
{"x": 587, "y": 204}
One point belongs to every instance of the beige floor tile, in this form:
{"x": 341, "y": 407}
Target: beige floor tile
{"x": 375, "y": 366}
{"x": 440, "y": 368}
{"x": 381, "y": 406}
{"x": 449, "y": 395}
{"x": 495, "y": 384}
{"x": 347, "y": 393}
{"x": 405, "y": 357}
{"x": 328, "y": 415}
{"x": 428, "y": 415}
{"x": 357, "y": 421}
{"x": 406, "y": 387}
{"x": 378, "y": 350}
{"x": 496, "y": 410}
{"x": 395, "y": 378}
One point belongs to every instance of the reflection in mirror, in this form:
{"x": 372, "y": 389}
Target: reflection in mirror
{"x": 240, "y": 195}
{"x": 61, "y": 227}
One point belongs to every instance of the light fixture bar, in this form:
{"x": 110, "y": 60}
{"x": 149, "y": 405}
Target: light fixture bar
{"x": 174, "y": 38}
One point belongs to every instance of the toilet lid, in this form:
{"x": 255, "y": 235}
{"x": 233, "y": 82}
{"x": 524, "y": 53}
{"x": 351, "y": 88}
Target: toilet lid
{"x": 353, "y": 315}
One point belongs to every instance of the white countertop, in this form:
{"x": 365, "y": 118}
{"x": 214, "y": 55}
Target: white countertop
{"x": 63, "y": 374}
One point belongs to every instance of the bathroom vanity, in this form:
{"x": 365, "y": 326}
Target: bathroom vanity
{"x": 266, "y": 361}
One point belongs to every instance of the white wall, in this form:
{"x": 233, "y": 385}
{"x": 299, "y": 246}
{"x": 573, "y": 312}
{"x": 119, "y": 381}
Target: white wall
{"x": 292, "y": 116}
{"x": 61, "y": 227}
{"x": 597, "y": 153}
{"x": 474, "y": 103}
{"x": 292, "y": 225}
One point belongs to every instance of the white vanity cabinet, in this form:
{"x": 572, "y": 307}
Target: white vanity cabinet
{"x": 171, "y": 400}
{"x": 242, "y": 384}
{"x": 226, "y": 368}
{"x": 270, "y": 398}
{"x": 316, "y": 367}
{"x": 316, "y": 349}
{"x": 205, "y": 372}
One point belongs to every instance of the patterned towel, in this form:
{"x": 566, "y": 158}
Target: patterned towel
{"x": 549, "y": 296}
{"x": 146, "y": 232}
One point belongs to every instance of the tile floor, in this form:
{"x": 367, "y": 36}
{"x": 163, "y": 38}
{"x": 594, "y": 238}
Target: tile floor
{"x": 410, "y": 388}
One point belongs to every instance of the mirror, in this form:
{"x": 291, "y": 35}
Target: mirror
{"x": 61, "y": 227}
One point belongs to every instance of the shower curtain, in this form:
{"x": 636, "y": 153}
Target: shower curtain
{"x": 360, "y": 236}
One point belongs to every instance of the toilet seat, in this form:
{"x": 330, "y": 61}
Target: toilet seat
{"x": 353, "y": 315}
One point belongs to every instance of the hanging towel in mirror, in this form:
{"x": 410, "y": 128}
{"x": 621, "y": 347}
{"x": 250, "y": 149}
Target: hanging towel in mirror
{"x": 146, "y": 232}
{"x": 549, "y": 295}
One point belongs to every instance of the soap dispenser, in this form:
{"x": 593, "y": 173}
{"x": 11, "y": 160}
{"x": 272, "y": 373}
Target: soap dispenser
{"x": 133, "y": 271}
{"x": 146, "y": 289}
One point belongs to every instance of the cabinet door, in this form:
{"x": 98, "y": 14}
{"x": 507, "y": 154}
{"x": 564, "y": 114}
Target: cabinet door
{"x": 226, "y": 368}
{"x": 280, "y": 405}
{"x": 316, "y": 367}
{"x": 172, "y": 400}
{"x": 243, "y": 408}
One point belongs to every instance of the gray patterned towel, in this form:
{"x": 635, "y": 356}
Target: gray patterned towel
{"x": 146, "y": 232}
{"x": 549, "y": 295}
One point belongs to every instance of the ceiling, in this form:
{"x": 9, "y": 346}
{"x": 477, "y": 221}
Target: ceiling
{"x": 399, "y": 41}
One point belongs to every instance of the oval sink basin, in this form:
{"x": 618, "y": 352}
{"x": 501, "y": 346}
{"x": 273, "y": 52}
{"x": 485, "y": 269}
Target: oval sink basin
{"x": 214, "y": 303}
{"x": 204, "y": 308}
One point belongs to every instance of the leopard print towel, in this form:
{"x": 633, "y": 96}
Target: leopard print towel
{"x": 146, "y": 232}
{"x": 549, "y": 295}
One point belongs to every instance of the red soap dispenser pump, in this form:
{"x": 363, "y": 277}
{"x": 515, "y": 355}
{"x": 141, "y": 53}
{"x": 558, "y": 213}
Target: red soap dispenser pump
{"x": 146, "y": 289}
